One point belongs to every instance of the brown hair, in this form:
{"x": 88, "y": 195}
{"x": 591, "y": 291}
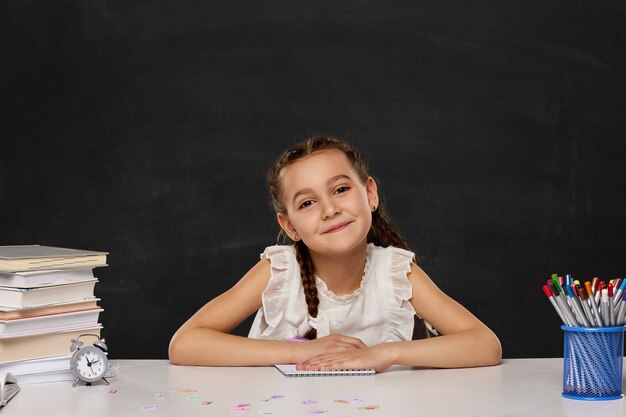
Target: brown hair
{"x": 382, "y": 233}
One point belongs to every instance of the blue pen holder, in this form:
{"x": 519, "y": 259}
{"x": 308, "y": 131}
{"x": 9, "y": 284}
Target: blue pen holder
{"x": 592, "y": 362}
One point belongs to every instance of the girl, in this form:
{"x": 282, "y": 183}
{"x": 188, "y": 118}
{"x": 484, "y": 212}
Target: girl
{"x": 347, "y": 283}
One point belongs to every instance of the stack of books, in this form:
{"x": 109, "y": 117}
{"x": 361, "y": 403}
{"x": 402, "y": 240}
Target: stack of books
{"x": 46, "y": 300}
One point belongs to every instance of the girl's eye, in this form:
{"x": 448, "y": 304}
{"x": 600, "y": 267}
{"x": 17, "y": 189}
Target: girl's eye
{"x": 342, "y": 189}
{"x": 305, "y": 204}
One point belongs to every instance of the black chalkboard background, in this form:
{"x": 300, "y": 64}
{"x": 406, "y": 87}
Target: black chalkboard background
{"x": 144, "y": 128}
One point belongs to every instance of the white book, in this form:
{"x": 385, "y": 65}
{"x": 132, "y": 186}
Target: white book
{"x": 49, "y": 323}
{"x": 290, "y": 370}
{"x": 41, "y": 296}
{"x": 36, "y": 257}
{"x": 52, "y": 363}
{"x": 46, "y": 376}
{"x": 8, "y": 388}
{"x": 33, "y": 279}
{"x": 50, "y": 376}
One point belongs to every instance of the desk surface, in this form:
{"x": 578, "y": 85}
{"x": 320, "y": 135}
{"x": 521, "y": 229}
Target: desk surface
{"x": 517, "y": 387}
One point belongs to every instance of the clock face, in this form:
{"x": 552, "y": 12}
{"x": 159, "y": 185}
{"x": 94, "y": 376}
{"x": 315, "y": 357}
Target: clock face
{"x": 89, "y": 364}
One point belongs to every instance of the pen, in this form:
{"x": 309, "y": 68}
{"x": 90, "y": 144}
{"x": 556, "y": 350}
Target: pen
{"x": 557, "y": 284}
{"x": 599, "y": 289}
{"x": 592, "y": 303}
{"x": 621, "y": 320}
{"x": 560, "y": 301}
{"x": 611, "y": 309}
{"x": 604, "y": 306}
{"x": 575, "y": 303}
{"x": 583, "y": 298}
{"x": 568, "y": 279}
{"x": 594, "y": 285}
{"x": 620, "y": 291}
{"x": 548, "y": 293}
{"x": 565, "y": 308}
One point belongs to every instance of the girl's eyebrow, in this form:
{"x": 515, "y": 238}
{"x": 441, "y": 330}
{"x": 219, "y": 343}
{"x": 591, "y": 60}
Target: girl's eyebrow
{"x": 330, "y": 180}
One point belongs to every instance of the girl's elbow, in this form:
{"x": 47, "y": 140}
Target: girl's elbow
{"x": 176, "y": 350}
{"x": 493, "y": 350}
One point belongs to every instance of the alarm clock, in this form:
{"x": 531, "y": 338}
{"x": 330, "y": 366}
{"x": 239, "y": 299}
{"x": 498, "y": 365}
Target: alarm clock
{"x": 89, "y": 364}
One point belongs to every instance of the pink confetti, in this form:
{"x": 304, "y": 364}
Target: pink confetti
{"x": 309, "y": 402}
{"x": 275, "y": 397}
{"x": 243, "y": 405}
{"x": 149, "y": 407}
{"x": 238, "y": 409}
{"x": 112, "y": 390}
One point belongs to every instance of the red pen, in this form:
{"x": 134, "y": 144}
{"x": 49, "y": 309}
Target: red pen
{"x": 617, "y": 282}
{"x": 599, "y": 289}
{"x": 548, "y": 293}
{"x": 611, "y": 306}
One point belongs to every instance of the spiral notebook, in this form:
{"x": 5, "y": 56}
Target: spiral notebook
{"x": 290, "y": 370}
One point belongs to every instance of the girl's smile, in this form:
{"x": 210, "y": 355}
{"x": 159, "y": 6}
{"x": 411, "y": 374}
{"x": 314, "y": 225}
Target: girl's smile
{"x": 338, "y": 227}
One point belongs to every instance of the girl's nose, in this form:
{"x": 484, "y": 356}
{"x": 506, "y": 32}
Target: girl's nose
{"x": 330, "y": 210}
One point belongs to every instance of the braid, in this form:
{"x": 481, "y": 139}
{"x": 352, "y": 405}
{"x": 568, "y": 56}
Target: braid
{"x": 308, "y": 283}
{"x": 382, "y": 233}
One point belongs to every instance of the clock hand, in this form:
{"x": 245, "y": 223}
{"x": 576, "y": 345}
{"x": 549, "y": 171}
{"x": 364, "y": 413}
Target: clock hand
{"x": 96, "y": 361}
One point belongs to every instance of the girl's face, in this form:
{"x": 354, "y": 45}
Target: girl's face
{"x": 327, "y": 205}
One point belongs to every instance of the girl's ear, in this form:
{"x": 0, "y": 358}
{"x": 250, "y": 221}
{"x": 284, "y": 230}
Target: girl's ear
{"x": 286, "y": 225}
{"x": 372, "y": 193}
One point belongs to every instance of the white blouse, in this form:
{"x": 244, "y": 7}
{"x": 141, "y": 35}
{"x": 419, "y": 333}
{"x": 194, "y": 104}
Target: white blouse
{"x": 378, "y": 311}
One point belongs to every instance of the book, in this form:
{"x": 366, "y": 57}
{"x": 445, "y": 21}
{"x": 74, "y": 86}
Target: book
{"x": 41, "y": 296}
{"x": 36, "y": 257}
{"x": 51, "y": 363}
{"x": 7, "y": 313}
{"x": 40, "y": 345}
{"x": 8, "y": 388}
{"x": 51, "y": 376}
{"x": 31, "y": 279}
{"x": 291, "y": 371}
{"x": 59, "y": 375}
{"x": 49, "y": 323}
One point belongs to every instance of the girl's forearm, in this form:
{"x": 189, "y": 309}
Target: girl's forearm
{"x": 479, "y": 347}
{"x": 201, "y": 346}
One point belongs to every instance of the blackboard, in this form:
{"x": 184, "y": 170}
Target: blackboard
{"x": 144, "y": 128}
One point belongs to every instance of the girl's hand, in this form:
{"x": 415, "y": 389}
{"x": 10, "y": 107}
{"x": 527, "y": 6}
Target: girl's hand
{"x": 331, "y": 344}
{"x": 377, "y": 357}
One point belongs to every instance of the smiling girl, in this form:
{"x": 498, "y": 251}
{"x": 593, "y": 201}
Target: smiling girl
{"x": 347, "y": 283}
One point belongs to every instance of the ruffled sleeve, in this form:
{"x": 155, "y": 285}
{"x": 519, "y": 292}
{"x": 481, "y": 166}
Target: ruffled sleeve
{"x": 398, "y": 310}
{"x": 278, "y": 296}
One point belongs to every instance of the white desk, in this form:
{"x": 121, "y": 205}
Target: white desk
{"x": 520, "y": 387}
